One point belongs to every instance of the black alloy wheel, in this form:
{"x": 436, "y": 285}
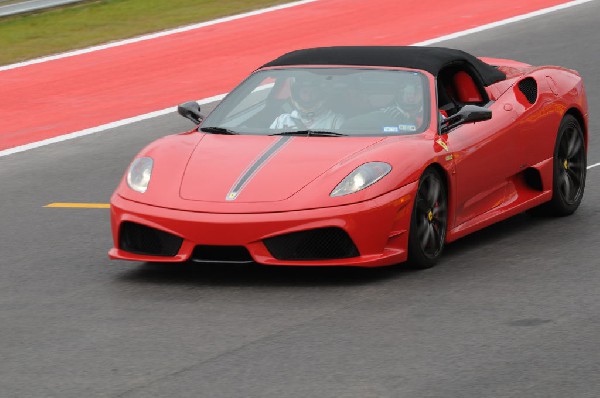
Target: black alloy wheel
{"x": 570, "y": 166}
{"x": 429, "y": 221}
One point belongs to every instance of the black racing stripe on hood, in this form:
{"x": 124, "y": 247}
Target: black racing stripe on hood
{"x": 254, "y": 167}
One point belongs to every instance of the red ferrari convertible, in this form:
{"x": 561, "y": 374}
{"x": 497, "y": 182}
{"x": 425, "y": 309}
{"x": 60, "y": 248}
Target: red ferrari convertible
{"x": 357, "y": 156}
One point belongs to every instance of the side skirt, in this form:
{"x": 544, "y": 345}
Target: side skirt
{"x": 524, "y": 192}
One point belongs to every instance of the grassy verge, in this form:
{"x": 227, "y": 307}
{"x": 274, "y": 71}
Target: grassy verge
{"x": 94, "y": 22}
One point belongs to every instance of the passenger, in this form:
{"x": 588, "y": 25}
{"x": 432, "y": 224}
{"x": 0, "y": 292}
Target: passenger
{"x": 411, "y": 103}
{"x": 402, "y": 105}
{"x": 308, "y": 96}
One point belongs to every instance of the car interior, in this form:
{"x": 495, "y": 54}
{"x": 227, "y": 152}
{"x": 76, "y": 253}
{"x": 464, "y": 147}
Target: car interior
{"x": 457, "y": 86}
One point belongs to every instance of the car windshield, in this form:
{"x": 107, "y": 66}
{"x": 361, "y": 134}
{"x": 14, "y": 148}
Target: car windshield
{"x": 325, "y": 102}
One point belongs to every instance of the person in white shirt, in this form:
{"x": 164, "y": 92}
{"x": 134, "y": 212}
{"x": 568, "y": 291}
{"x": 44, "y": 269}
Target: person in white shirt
{"x": 308, "y": 95}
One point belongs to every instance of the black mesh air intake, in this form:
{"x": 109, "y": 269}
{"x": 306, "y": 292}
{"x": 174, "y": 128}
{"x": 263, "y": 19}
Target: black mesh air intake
{"x": 315, "y": 244}
{"x": 221, "y": 254}
{"x": 140, "y": 239}
{"x": 528, "y": 87}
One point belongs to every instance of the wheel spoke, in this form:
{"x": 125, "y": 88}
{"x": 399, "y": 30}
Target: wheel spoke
{"x": 439, "y": 211}
{"x": 434, "y": 240}
{"x": 439, "y": 225}
{"x": 563, "y": 147}
{"x": 574, "y": 177}
{"x": 572, "y": 187}
{"x": 434, "y": 191}
{"x": 566, "y": 186}
{"x": 423, "y": 225}
{"x": 575, "y": 166}
{"x": 569, "y": 137}
{"x": 426, "y": 236}
{"x": 574, "y": 145}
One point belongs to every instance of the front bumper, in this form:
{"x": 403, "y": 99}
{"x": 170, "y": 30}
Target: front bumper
{"x": 378, "y": 228}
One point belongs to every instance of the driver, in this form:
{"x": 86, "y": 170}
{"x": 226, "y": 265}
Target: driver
{"x": 308, "y": 94}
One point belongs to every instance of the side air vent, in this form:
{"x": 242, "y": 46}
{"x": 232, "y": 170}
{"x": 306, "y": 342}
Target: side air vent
{"x": 533, "y": 178}
{"x": 528, "y": 87}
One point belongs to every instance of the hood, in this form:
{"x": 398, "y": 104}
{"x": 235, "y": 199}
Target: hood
{"x": 251, "y": 168}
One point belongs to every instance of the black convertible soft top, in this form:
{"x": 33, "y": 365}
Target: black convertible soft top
{"x": 430, "y": 59}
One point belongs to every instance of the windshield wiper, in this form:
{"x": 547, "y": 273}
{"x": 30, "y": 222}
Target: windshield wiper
{"x": 218, "y": 130}
{"x": 317, "y": 133}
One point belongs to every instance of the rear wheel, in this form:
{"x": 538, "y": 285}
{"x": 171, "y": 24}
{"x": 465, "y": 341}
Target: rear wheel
{"x": 428, "y": 222}
{"x": 570, "y": 165}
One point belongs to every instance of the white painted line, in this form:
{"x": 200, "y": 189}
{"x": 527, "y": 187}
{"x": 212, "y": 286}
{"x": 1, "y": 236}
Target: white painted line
{"x": 594, "y": 165}
{"x": 503, "y": 22}
{"x": 153, "y": 35}
{"x": 150, "y": 115}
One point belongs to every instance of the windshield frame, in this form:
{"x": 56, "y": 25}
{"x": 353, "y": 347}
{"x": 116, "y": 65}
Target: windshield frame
{"x": 242, "y": 90}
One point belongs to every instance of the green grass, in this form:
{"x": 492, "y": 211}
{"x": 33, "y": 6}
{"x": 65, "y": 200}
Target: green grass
{"x": 93, "y": 22}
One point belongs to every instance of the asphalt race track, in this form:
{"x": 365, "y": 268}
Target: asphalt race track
{"x": 511, "y": 311}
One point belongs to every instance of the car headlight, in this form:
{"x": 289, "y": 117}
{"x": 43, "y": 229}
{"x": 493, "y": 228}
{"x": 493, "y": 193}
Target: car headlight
{"x": 139, "y": 174}
{"x": 362, "y": 177}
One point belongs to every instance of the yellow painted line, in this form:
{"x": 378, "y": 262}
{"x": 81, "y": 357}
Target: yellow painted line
{"x": 80, "y": 205}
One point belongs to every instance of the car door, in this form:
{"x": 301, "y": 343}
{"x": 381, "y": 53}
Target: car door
{"x": 483, "y": 154}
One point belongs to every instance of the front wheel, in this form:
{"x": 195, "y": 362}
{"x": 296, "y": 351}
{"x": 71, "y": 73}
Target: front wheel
{"x": 428, "y": 221}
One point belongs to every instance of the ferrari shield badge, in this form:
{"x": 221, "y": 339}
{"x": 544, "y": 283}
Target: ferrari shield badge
{"x": 441, "y": 143}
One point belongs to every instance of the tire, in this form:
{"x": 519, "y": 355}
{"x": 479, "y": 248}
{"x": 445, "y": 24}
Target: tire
{"x": 569, "y": 170}
{"x": 428, "y": 222}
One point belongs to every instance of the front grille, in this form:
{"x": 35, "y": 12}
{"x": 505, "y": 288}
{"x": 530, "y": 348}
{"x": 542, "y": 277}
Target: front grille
{"x": 221, "y": 254}
{"x": 315, "y": 244}
{"x": 528, "y": 87}
{"x": 140, "y": 239}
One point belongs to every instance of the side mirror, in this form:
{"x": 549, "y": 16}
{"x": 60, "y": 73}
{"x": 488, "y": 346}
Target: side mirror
{"x": 190, "y": 110}
{"x": 466, "y": 114}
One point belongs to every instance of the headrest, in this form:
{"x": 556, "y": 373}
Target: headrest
{"x": 466, "y": 90}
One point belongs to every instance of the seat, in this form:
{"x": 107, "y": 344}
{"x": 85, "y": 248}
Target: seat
{"x": 465, "y": 88}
